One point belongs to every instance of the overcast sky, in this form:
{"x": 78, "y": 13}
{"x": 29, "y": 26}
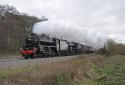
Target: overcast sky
{"x": 97, "y": 17}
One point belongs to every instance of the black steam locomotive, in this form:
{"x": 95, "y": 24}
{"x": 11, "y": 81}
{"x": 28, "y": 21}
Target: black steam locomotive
{"x": 40, "y": 46}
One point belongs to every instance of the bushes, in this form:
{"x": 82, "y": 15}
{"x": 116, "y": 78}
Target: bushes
{"x": 112, "y": 48}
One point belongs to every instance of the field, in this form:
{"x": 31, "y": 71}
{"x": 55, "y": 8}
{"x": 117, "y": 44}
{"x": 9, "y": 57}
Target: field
{"x": 83, "y": 70}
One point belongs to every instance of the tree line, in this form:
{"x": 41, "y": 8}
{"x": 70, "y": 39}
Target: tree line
{"x": 14, "y": 27}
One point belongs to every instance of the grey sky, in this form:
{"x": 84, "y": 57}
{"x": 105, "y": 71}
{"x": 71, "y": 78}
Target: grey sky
{"x": 98, "y": 17}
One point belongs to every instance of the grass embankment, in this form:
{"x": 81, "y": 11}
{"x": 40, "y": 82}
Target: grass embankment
{"x": 110, "y": 71}
{"x": 114, "y": 70}
{"x": 96, "y": 70}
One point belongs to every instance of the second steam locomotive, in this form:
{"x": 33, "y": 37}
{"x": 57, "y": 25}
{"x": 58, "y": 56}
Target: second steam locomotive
{"x": 40, "y": 46}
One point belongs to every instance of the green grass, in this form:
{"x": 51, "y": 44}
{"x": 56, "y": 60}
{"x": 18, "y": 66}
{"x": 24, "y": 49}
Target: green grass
{"x": 5, "y": 73}
{"x": 62, "y": 79}
{"x": 114, "y": 70}
{"x": 79, "y": 71}
{"x": 110, "y": 71}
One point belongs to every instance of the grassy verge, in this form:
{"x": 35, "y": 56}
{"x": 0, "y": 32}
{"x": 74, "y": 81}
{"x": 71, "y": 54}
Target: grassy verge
{"x": 113, "y": 68}
{"x": 109, "y": 72}
{"x": 56, "y": 73}
{"x": 95, "y": 70}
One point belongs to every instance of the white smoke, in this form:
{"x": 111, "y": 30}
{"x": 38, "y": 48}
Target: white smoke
{"x": 70, "y": 31}
{"x": 96, "y": 38}
{"x": 62, "y": 29}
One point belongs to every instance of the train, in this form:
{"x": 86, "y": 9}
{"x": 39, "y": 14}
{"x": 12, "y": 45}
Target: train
{"x": 42, "y": 46}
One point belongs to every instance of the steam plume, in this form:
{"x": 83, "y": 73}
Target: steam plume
{"x": 70, "y": 31}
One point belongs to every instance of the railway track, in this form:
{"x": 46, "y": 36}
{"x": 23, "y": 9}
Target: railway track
{"x": 20, "y": 62}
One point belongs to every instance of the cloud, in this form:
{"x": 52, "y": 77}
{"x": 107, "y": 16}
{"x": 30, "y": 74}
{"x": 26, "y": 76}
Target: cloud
{"x": 99, "y": 18}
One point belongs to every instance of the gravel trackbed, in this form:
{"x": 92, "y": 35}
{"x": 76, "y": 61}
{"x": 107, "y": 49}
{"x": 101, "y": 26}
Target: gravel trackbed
{"x": 18, "y": 62}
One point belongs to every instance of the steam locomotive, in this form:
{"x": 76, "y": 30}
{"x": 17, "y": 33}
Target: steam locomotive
{"x": 40, "y": 46}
